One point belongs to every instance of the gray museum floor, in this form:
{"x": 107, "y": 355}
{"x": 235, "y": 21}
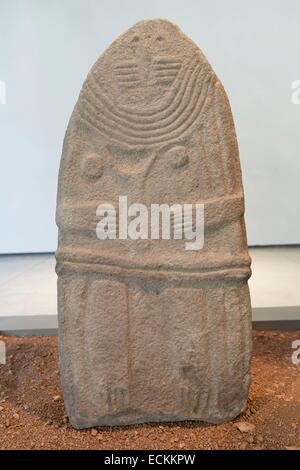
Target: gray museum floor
{"x": 28, "y": 289}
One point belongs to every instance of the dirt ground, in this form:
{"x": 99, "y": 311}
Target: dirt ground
{"x": 32, "y": 412}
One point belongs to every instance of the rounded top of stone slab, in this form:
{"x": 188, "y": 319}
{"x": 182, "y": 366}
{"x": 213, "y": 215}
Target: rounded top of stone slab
{"x": 145, "y": 66}
{"x": 154, "y": 36}
{"x": 157, "y": 25}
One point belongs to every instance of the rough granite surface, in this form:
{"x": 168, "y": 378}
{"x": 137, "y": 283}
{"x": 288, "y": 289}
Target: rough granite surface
{"x": 149, "y": 331}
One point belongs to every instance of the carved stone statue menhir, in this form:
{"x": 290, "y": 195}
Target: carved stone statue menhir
{"x": 149, "y": 331}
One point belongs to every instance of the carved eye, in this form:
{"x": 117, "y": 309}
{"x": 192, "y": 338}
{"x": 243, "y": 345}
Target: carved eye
{"x": 177, "y": 157}
{"x": 91, "y": 166}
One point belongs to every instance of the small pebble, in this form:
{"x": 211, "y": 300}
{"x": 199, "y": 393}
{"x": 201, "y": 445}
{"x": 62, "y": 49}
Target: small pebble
{"x": 243, "y": 426}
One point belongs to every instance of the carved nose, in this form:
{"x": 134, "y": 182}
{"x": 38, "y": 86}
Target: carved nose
{"x": 145, "y": 58}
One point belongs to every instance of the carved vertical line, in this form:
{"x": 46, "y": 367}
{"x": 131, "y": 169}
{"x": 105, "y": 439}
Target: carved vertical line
{"x": 91, "y": 386}
{"x": 230, "y": 147}
{"x": 215, "y": 162}
{"x": 215, "y": 326}
{"x": 234, "y": 150}
{"x": 223, "y": 177}
{"x": 70, "y": 351}
{"x": 223, "y": 366}
{"x": 70, "y": 334}
{"x": 205, "y": 174}
{"x": 212, "y": 330}
{"x": 93, "y": 382}
{"x": 220, "y": 372}
{"x": 64, "y": 315}
{"x": 246, "y": 325}
{"x": 233, "y": 336}
{"x": 128, "y": 343}
{"x": 77, "y": 331}
{"x": 203, "y": 401}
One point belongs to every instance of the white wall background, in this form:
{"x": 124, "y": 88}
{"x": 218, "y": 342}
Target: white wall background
{"x": 46, "y": 50}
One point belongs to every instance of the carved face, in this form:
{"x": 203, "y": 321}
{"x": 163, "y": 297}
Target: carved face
{"x": 145, "y": 64}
